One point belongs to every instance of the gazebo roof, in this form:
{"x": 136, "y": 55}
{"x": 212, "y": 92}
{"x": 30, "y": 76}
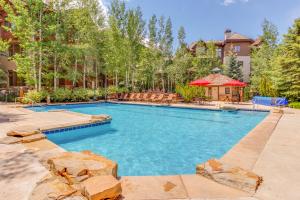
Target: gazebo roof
{"x": 217, "y": 79}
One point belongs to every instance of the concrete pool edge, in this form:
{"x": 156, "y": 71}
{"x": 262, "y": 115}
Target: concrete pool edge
{"x": 190, "y": 184}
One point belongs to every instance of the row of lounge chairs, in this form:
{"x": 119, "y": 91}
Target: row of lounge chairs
{"x": 149, "y": 97}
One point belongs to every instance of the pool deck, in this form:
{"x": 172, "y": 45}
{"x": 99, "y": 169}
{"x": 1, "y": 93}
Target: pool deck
{"x": 270, "y": 150}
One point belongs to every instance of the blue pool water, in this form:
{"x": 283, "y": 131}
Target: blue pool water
{"x": 147, "y": 140}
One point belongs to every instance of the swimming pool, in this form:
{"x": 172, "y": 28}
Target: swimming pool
{"x": 151, "y": 140}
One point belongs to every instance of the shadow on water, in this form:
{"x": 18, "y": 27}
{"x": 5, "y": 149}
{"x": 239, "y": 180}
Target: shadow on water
{"x": 71, "y": 136}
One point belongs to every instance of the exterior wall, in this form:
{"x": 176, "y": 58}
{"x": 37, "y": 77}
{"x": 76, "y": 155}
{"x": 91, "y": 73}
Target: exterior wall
{"x": 218, "y": 93}
{"x": 245, "y": 48}
{"x": 246, "y": 68}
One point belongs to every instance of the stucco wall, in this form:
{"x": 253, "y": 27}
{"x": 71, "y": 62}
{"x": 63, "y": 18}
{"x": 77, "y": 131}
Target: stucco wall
{"x": 246, "y": 66}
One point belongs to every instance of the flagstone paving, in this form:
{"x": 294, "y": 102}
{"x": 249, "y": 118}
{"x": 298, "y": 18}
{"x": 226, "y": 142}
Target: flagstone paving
{"x": 276, "y": 157}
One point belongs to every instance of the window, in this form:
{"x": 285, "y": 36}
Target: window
{"x": 237, "y": 48}
{"x": 227, "y": 90}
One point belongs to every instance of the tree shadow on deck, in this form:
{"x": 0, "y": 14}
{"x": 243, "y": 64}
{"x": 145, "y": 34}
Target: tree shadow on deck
{"x": 18, "y": 165}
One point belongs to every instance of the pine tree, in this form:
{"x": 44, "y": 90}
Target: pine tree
{"x": 289, "y": 63}
{"x": 152, "y": 31}
{"x": 262, "y": 61}
{"x": 181, "y": 37}
{"x": 169, "y": 38}
{"x": 234, "y": 68}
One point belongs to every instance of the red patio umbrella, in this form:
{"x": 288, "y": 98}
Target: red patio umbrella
{"x": 235, "y": 83}
{"x": 200, "y": 82}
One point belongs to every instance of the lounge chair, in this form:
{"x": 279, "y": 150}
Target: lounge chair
{"x": 152, "y": 97}
{"x": 170, "y": 98}
{"x": 144, "y": 97}
{"x": 137, "y": 97}
{"x": 121, "y": 97}
{"x": 159, "y": 98}
{"x": 125, "y": 97}
{"x": 131, "y": 97}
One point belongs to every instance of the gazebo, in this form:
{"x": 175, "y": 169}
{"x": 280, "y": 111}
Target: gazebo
{"x": 222, "y": 88}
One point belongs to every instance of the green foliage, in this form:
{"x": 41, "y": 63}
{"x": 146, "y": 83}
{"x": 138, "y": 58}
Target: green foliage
{"x": 34, "y": 96}
{"x": 79, "y": 94}
{"x": 262, "y": 62}
{"x": 181, "y": 37}
{"x": 3, "y": 78}
{"x": 288, "y": 60}
{"x": 295, "y": 105}
{"x": 61, "y": 95}
{"x": 188, "y": 93}
{"x": 247, "y": 94}
{"x": 234, "y": 68}
{"x": 116, "y": 90}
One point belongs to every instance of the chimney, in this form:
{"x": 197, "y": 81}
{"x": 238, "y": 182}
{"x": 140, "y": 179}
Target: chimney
{"x": 227, "y": 33}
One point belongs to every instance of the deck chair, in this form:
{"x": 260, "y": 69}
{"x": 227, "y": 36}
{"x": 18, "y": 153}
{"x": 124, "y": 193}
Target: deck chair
{"x": 159, "y": 98}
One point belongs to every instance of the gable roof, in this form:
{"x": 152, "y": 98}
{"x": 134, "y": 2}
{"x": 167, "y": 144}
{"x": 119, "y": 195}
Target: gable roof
{"x": 217, "y": 79}
{"x": 237, "y": 36}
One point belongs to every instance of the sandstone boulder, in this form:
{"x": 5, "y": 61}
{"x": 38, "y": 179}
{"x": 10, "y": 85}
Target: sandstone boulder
{"x": 101, "y": 117}
{"x": 33, "y": 138}
{"x": 101, "y": 187}
{"x": 76, "y": 167}
{"x": 229, "y": 175}
{"x": 23, "y": 131}
{"x": 52, "y": 189}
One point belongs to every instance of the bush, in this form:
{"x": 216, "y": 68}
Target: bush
{"x": 247, "y": 94}
{"x": 188, "y": 93}
{"x": 34, "y": 96}
{"x": 79, "y": 95}
{"x": 295, "y": 105}
{"x": 61, "y": 95}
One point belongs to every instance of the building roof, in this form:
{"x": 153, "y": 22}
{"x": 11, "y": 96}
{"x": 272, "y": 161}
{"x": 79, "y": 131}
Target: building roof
{"x": 237, "y": 36}
{"x": 217, "y": 79}
{"x": 257, "y": 42}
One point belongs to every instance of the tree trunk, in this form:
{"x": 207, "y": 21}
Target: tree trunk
{"x": 75, "y": 73}
{"x": 84, "y": 73}
{"x": 116, "y": 79}
{"x": 97, "y": 81}
{"x": 40, "y": 55}
{"x": 55, "y": 72}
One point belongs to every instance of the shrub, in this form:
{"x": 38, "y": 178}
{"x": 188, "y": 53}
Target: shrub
{"x": 188, "y": 93}
{"x": 80, "y": 94}
{"x": 247, "y": 94}
{"x": 295, "y": 105}
{"x": 61, "y": 95}
{"x": 34, "y": 96}
{"x": 112, "y": 90}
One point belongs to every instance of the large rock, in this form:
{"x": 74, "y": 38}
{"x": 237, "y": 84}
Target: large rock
{"x": 101, "y": 187}
{"x": 23, "y": 131}
{"x": 26, "y": 139}
{"x": 33, "y": 138}
{"x": 231, "y": 176}
{"x": 101, "y": 117}
{"x": 76, "y": 167}
{"x": 52, "y": 189}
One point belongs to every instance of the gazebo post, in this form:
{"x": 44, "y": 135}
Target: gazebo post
{"x": 218, "y": 93}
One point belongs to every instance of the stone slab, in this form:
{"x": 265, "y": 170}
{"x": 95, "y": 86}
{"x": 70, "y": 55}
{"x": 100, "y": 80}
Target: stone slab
{"x": 152, "y": 187}
{"x": 101, "y": 187}
{"x": 229, "y": 175}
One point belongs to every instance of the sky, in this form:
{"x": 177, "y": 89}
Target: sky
{"x": 207, "y": 19}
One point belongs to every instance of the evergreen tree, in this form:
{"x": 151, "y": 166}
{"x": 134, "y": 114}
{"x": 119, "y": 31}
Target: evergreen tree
{"x": 152, "y": 31}
{"x": 181, "y": 37}
{"x": 169, "y": 38}
{"x": 234, "y": 68}
{"x": 262, "y": 61}
{"x": 289, "y": 63}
